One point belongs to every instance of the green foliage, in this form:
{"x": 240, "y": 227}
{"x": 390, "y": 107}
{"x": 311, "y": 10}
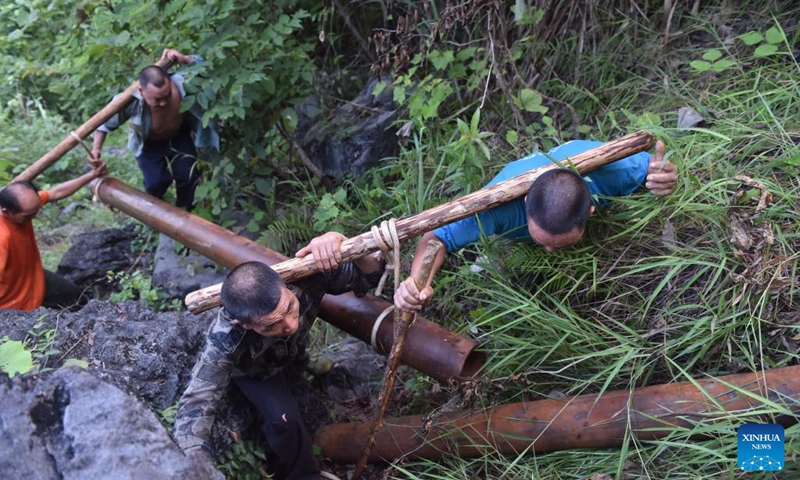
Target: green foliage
{"x": 14, "y": 357}
{"x": 331, "y": 212}
{"x": 43, "y": 341}
{"x": 712, "y": 62}
{"x": 167, "y": 415}
{"x": 138, "y": 286}
{"x": 769, "y": 42}
{"x": 244, "y": 461}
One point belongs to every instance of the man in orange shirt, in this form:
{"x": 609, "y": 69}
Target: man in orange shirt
{"x": 24, "y": 284}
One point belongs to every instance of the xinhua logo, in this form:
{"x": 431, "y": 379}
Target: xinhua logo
{"x": 760, "y": 447}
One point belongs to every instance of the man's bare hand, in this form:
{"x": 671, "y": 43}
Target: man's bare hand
{"x": 99, "y": 168}
{"x": 175, "y": 56}
{"x": 409, "y": 298}
{"x": 326, "y": 250}
{"x": 662, "y": 176}
{"x": 94, "y": 158}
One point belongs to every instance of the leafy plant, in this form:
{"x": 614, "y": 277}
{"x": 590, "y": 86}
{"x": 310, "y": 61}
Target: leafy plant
{"x": 138, "y": 286}
{"x": 767, "y": 42}
{"x": 43, "y": 343}
{"x": 14, "y": 357}
{"x": 244, "y": 460}
{"x": 712, "y": 62}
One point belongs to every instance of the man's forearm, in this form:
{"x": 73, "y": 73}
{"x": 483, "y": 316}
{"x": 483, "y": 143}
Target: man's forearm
{"x": 97, "y": 142}
{"x": 71, "y": 186}
{"x": 416, "y": 264}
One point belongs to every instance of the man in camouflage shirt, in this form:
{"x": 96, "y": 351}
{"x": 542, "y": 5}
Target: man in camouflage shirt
{"x": 262, "y": 327}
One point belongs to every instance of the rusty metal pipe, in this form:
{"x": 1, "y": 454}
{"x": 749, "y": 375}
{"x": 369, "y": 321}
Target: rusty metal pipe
{"x": 584, "y": 421}
{"x": 431, "y": 349}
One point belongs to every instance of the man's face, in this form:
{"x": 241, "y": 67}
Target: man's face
{"x": 30, "y": 203}
{"x": 158, "y": 98}
{"x": 281, "y": 322}
{"x": 553, "y": 243}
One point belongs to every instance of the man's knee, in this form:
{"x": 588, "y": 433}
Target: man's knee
{"x": 157, "y": 186}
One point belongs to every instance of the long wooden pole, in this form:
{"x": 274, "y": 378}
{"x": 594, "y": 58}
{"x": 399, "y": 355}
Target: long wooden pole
{"x": 585, "y": 421}
{"x": 99, "y": 118}
{"x": 484, "y": 199}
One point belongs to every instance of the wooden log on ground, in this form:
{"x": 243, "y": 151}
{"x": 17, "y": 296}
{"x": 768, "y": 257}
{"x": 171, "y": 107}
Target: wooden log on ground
{"x": 431, "y": 349}
{"x": 84, "y": 130}
{"x": 484, "y": 199}
{"x": 584, "y": 421}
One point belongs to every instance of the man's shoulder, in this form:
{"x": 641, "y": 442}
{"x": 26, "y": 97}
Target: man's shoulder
{"x": 225, "y": 336}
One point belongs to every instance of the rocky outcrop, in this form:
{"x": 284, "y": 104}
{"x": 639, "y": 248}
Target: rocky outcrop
{"x": 352, "y": 138}
{"x": 73, "y": 425}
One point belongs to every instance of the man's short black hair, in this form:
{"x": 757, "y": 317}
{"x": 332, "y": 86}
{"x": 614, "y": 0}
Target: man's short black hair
{"x": 559, "y": 201}
{"x": 153, "y": 75}
{"x": 250, "y": 291}
{"x": 9, "y": 196}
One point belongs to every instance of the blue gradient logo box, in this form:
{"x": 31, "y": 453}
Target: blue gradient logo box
{"x": 760, "y": 447}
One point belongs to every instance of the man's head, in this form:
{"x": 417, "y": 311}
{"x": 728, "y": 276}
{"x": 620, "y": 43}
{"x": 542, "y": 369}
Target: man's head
{"x": 155, "y": 87}
{"x": 19, "y": 202}
{"x": 558, "y": 205}
{"x": 256, "y": 297}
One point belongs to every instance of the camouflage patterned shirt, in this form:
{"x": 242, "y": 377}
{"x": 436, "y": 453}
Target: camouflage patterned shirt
{"x": 232, "y": 351}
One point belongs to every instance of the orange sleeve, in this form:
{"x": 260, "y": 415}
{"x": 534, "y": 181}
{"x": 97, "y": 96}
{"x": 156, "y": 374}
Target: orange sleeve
{"x": 3, "y": 255}
{"x": 44, "y": 197}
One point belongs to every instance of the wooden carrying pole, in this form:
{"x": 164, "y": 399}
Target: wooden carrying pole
{"x": 484, "y": 199}
{"x": 401, "y": 331}
{"x": 84, "y": 130}
{"x": 587, "y": 421}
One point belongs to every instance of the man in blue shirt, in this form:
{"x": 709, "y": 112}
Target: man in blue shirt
{"x": 554, "y": 212}
{"x": 163, "y": 139}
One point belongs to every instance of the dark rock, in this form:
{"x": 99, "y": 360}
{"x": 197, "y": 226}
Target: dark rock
{"x": 357, "y": 371}
{"x": 73, "y": 425}
{"x": 352, "y": 138}
{"x": 147, "y": 354}
{"x": 181, "y": 273}
{"x": 93, "y": 254}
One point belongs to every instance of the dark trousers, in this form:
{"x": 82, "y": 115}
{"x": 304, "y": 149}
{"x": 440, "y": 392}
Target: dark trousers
{"x": 163, "y": 161}
{"x": 61, "y": 293}
{"x": 291, "y": 456}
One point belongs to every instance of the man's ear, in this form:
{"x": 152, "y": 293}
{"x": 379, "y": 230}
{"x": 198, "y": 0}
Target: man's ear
{"x": 246, "y": 326}
{"x": 591, "y": 210}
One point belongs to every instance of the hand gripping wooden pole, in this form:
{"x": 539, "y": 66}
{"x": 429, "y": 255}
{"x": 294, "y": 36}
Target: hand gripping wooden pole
{"x": 74, "y": 138}
{"x": 401, "y": 330}
{"x": 468, "y": 205}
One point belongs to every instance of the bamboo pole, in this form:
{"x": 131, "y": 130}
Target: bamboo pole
{"x": 84, "y": 130}
{"x": 431, "y": 349}
{"x": 484, "y": 199}
{"x": 586, "y": 421}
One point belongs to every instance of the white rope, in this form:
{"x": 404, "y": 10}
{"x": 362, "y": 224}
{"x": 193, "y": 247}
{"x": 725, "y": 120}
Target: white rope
{"x": 80, "y": 140}
{"x": 388, "y": 241}
{"x": 96, "y": 188}
{"x": 373, "y": 338}
{"x": 329, "y": 476}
